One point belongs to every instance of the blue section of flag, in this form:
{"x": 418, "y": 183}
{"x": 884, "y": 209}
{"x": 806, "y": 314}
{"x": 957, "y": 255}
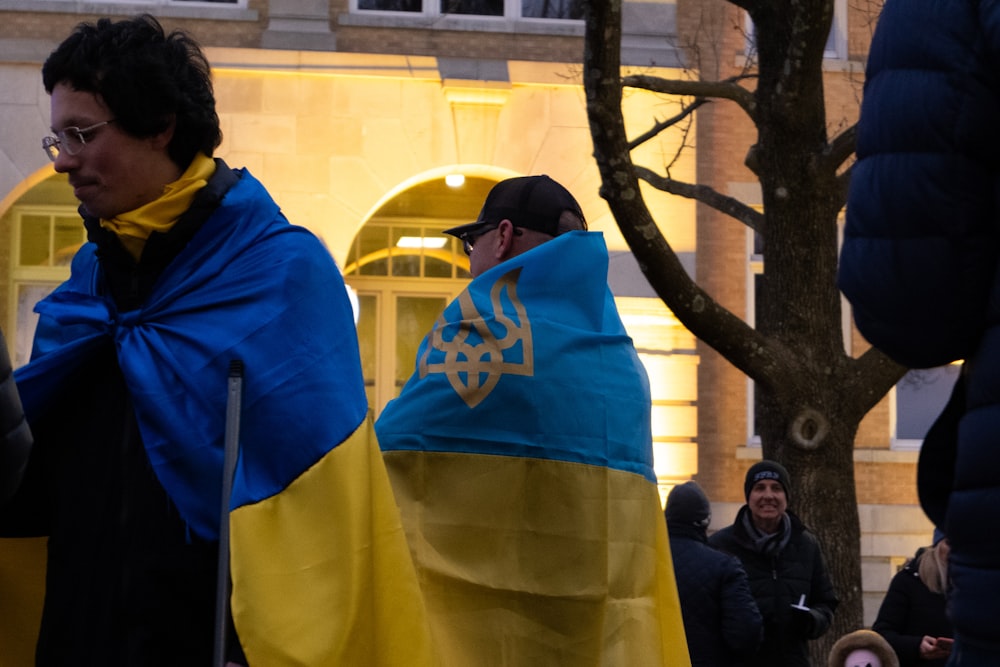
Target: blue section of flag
{"x": 251, "y": 287}
{"x": 531, "y": 360}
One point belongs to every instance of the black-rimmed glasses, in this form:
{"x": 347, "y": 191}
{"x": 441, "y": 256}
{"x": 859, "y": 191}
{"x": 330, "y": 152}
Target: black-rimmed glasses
{"x": 69, "y": 139}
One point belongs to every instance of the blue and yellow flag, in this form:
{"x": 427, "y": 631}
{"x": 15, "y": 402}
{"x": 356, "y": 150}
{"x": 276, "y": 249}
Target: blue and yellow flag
{"x": 320, "y": 567}
{"x": 520, "y": 454}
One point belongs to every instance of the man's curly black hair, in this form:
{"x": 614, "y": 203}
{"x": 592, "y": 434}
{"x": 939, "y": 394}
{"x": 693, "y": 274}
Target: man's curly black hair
{"x": 146, "y": 78}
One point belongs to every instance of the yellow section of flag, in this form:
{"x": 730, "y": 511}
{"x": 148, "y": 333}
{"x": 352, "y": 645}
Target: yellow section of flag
{"x": 332, "y": 542}
{"x": 22, "y": 591}
{"x": 525, "y": 561}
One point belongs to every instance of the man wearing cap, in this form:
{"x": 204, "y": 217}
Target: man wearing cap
{"x": 783, "y": 560}
{"x": 519, "y": 214}
{"x": 721, "y": 619}
{"x": 520, "y": 453}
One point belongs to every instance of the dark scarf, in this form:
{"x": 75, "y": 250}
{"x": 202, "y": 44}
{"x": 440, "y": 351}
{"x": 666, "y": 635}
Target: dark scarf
{"x": 762, "y": 543}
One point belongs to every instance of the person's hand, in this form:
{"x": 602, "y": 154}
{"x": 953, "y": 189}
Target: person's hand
{"x": 801, "y": 623}
{"x": 935, "y": 648}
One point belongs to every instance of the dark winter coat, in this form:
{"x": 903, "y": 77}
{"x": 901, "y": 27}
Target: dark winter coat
{"x": 909, "y": 612}
{"x": 777, "y": 582}
{"x": 121, "y": 560}
{"x": 15, "y": 435}
{"x": 921, "y": 260}
{"x": 721, "y": 619}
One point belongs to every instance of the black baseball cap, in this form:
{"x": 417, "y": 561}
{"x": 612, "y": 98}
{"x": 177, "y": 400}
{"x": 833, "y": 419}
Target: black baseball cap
{"x": 532, "y": 202}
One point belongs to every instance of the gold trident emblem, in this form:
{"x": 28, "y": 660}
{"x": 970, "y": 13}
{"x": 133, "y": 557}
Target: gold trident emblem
{"x": 475, "y": 360}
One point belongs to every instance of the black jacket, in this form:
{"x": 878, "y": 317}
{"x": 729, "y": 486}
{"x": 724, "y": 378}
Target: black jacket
{"x": 127, "y": 582}
{"x": 15, "y": 435}
{"x": 910, "y": 611}
{"x": 777, "y": 582}
{"x": 721, "y": 619}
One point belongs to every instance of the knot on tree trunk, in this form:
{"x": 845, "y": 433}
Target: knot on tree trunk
{"x": 808, "y": 429}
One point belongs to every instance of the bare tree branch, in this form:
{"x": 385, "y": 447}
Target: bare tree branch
{"x": 758, "y": 356}
{"x": 665, "y": 124}
{"x": 877, "y": 374}
{"x": 728, "y": 89}
{"x": 841, "y": 148}
{"x": 685, "y": 134}
{"x": 707, "y": 195}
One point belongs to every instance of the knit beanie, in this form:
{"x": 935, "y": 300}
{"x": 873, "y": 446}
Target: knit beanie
{"x": 767, "y": 470}
{"x": 687, "y": 505}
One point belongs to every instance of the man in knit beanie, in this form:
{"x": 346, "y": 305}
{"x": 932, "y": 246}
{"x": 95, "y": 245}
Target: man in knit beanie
{"x": 785, "y": 566}
{"x": 721, "y": 619}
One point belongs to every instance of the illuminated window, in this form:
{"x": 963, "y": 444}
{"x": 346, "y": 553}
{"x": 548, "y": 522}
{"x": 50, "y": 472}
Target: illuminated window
{"x": 405, "y": 272}
{"x": 406, "y": 250}
{"x": 45, "y": 240}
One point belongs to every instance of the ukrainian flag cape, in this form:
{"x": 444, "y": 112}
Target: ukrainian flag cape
{"x": 320, "y": 568}
{"x": 521, "y": 456}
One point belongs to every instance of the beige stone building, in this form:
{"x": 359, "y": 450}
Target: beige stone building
{"x": 360, "y": 115}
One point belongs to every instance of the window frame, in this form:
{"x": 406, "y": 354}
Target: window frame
{"x": 903, "y": 444}
{"x": 197, "y": 9}
{"x": 431, "y": 9}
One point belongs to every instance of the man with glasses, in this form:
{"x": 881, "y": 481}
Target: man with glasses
{"x": 520, "y": 453}
{"x": 191, "y": 273}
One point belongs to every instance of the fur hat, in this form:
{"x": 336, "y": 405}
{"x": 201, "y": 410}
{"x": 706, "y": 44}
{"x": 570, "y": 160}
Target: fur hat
{"x": 862, "y": 640}
{"x": 688, "y": 505}
{"x": 767, "y": 469}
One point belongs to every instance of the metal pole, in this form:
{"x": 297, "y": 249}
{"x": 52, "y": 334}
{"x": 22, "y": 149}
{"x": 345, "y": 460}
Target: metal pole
{"x": 232, "y": 442}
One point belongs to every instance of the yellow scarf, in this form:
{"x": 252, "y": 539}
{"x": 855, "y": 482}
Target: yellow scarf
{"x": 159, "y": 215}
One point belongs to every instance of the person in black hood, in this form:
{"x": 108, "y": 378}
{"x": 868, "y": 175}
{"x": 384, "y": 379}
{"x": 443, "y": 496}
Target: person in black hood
{"x": 721, "y": 619}
{"x": 913, "y": 616}
{"x": 788, "y": 576}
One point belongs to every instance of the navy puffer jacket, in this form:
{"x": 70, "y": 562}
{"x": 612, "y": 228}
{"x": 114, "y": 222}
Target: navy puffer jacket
{"x": 920, "y": 257}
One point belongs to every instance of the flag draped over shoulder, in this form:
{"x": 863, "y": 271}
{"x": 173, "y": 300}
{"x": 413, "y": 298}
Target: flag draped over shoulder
{"x": 520, "y": 454}
{"x": 320, "y": 568}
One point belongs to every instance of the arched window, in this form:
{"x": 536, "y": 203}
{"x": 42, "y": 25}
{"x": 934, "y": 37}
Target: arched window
{"x": 405, "y": 271}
